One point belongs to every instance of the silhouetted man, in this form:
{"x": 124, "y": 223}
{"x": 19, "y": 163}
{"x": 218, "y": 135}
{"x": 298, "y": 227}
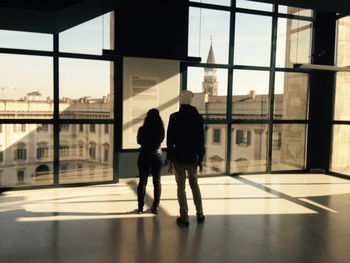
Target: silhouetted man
{"x": 185, "y": 152}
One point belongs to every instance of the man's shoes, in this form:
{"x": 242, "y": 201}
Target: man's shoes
{"x": 182, "y": 222}
{"x": 200, "y": 219}
{"x": 140, "y": 210}
{"x": 154, "y": 209}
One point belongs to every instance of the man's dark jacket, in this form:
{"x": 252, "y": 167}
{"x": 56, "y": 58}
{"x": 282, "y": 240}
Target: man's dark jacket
{"x": 185, "y": 136}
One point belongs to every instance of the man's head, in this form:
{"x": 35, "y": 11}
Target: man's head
{"x": 185, "y": 97}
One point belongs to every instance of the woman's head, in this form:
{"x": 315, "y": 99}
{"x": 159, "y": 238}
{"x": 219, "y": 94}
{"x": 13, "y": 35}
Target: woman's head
{"x": 153, "y": 119}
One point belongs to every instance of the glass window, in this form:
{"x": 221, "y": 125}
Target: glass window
{"x": 215, "y": 156}
{"x": 92, "y": 150}
{"x": 64, "y": 150}
{"x": 42, "y": 150}
{"x": 42, "y": 128}
{"x": 18, "y": 127}
{"x": 106, "y": 128}
{"x": 209, "y": 86}
{"x": 244, "y": 137}
{"x": 26, "y": 86}
{"x": 293, "y": 42}
{"x": 93, "y": 128}
{"x": 106, "y": 152}
{"x": 90, "y": 37}
{"x": 1, "y": 154}
{"x": 291, "y": 95}
{"x": 217, "y": 136}
{"x": 26, "y": 40}
{"x": 85, "y": 150}
{"x": 253, "y": 5}
{"x": 291, "y": 153}
{"x": 81, "y": 149}
{"x": 85, "y": 89}
{"x": 250, "y": 94}
{"x": 209, "y": 28}
{"x": 81, "y": 127}
{"x": 64, "y": 127}
{"x": 252, "y": 40}
{"x": 340, "y": 159}
{"x": 214, "y": 2}
{"x": 294, "y": 11}
{"x": 249, "y": 148}
{"x": 342, "y": 97}
{"x": 343, "y": 32}
{"x": 28, "y": 151}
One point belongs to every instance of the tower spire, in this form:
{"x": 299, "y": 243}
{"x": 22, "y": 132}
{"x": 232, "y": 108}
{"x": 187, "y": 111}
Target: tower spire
{"x": 210, "y": 84}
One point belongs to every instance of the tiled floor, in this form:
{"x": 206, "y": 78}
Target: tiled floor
{"x": 255, "y": 218}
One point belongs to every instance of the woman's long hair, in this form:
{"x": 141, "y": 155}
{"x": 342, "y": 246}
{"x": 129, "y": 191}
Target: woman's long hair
{"x": 153, "y": 122}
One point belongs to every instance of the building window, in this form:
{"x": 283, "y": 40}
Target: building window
{"x": 1, "y": 154}
{"x": 64, "y": 150}
{"x": 64, "y": 127}
{"x": 20, "y": 152}
{"x": 81, "y": 127}
{"x": 81, "y": 149}
{"x": 0, "y": 128}
{"x": 20, "y": 176}
{"x": 92, "y": 151}
{"x": 80, "y": 169}
{"x": 106, "y": 128}
{"x": 42, "y": 151}
{"x": 105, "y": 152}
{"x": 217, "y": 136}
{"x": 19, "y": 127}
{"x": 93, "y": 128}
{"x": 276, "y": 140}
{"x": 243, "y": 137}
{"x": 42, "y": 128}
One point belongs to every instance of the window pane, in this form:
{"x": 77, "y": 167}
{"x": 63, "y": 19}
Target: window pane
{"x": 209, "y": 28}
{"x": 252, "y": 40}
{"x": 291, "y": 95}
{"x": 90, "y": 37}
{"x": 253, "y": 5}
{"x": 343, "y": 32}
{"x": 250, "y": 94}
{"x": 293, "y": 42}
{"x": 86, "y": 156}
{"x": 26, "y": 86}
{"x": 288, "y": 147}
{"x": 209, "y": 86}
{"x": 86, "y": 89}
{"x": 341, "y": 149}
{"x": 342, "y": 97}
{"x": 213, "y": 2}
{"x": 26, "y": 156}
{"x": 249, "y": 148}
{"x": 294, "y": 11}
{"x": 215, "y": 156}
{"x": 26, "y": 40}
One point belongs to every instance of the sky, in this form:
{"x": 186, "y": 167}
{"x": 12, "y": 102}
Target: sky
{"x": 91, "y": 78}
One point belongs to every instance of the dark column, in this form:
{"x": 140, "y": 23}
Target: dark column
{"x": 321, "y": 94}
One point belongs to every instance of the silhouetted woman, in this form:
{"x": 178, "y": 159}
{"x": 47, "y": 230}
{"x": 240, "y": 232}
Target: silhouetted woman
{"x": 150, "y": 136}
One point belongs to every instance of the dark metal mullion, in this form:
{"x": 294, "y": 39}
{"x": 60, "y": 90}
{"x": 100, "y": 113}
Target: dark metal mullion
{"x": 85, "y": 56}
{"x": 230, "y": 88}
{"x": 56, "y": 139}
{"x": 118, "y": 117}
{"x": 17, "y": 51}
{"x": 272, "y": 86}
{"x": 209, "y": 6}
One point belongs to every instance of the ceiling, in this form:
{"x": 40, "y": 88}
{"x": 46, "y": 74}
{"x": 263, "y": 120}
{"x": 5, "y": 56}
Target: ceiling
{"x": 56, "y": 16}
